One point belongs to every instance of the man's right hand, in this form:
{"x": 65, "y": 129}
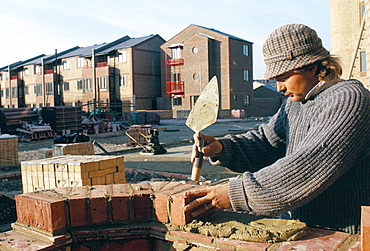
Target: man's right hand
{"x": 211, "y": 147}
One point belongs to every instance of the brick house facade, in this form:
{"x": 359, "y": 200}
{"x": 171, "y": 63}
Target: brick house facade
{"x": 124, "y": 73}
{"x": 349, "y": 19}
{"x": 194, "y": 56}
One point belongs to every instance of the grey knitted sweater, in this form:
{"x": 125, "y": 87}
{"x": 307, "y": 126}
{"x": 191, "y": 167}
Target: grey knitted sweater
{"x": 312, "y": 159}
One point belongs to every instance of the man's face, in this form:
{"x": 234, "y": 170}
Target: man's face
{"x": 296, "y": 84}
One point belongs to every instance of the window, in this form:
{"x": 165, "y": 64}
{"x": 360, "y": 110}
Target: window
{"x": 246, "y": 75}
{"x": 176, "y": 52}
{"x": 26, "y": 71}
{"x": 84, "y": 85}
{"x": 80, "y": 62}
{"x": 177, "y": 101}
{"x": 49, "y": 88}
{"x": 362, "y": 11}
{"x": 195, "y": 76}
{"x": 245, "y": 50}
{"x": 14, "y": 92}
{"x": 123, "y": 81}
{"x": 6, "y": 92}
{"x": 26, "y": 90}
{"x": 102, "y": 82}
{"x": 65, "y": 64}
{"x": 235, "y": 97}
{"x": 122, "y": 57}
{"x": 1, "y": 76}
{"x": 79, "y": 84}
{"x": 65, "y": 86}
{"x": 247, "y": 100}
{"x": 195, "y": 50}
{"x": 363, "y": 61}
{"x": 36, "y": 69}
{"x": 38, "y": 89}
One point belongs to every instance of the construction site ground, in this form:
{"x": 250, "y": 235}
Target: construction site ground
{"x": 174, "y": 136}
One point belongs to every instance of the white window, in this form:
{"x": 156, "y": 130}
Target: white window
{"x": 14, "y": 92}
{"x": 65, "y": 65}
{"x": 176, "y": 53}
{"x": 38, "y": 89}
{"x": 26, "y": 71}
{"x": 80, "y": 62}
{"x": 122, "y": 57}
{"x": 102, "y": 82}
{"x": 49, "y": 88}
{"x": 246, "y": 75}
{"x": 36, "y": 69}
{"x": 245, "y": 50}
{"x": 87, "y": 85}
{"x": 363, "y": 61}
{"x": 247, "y": 100}
{"x": 66, "y": 86}
{"x": 123, "y": 81}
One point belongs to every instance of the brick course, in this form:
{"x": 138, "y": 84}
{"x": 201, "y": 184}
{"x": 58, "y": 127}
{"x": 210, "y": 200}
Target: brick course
{"x": 129, "y": 217}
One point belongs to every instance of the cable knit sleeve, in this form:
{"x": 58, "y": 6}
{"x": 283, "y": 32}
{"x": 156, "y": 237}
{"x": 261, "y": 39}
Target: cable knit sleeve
{"x": 325, "y": 137}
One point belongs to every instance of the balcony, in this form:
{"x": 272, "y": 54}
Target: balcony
{"x": 175, "y": 87}
{"x": 13, "y": 77}
{"x": 101, "y": 64}
{"x": 49, "y": 72}
{"x": 175, "y": 61}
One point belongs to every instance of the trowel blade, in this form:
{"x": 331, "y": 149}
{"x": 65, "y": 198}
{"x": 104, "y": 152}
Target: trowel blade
{"x": 205, "y": 110}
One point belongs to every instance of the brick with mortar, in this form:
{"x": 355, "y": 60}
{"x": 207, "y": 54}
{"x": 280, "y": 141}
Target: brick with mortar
{"x": 43, "y": 211}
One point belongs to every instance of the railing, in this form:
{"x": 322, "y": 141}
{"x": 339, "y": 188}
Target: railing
{"x": 175, "y": 87}
{"x": 49, "y": 71}
{"x": 101, "y": 64}
{"x": 175, "y": 61}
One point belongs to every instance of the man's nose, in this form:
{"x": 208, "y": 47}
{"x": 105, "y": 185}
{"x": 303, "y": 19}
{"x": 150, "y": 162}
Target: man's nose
{"x": 280, "y": 86}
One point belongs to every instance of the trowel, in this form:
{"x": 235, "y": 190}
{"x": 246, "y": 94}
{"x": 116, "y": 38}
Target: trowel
{"x": 203, "y": 114}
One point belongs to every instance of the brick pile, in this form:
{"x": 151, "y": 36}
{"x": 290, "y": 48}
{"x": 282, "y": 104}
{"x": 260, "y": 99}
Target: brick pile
{"x": 131, "y": 217}
{"x": 83, "y": 148}
{"x": 71, "y": 171}
{"x": 8, "y": 150}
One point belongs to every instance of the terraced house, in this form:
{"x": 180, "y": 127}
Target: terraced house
{"x": 194, "y": 56}
{"x": 124, "y": 74}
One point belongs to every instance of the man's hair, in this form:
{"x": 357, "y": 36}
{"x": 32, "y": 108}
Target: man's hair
{"x": 327, "y": 69}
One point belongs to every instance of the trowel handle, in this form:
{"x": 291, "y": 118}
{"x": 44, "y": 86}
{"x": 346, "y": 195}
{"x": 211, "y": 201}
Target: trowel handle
{"x": 198, "y": 162}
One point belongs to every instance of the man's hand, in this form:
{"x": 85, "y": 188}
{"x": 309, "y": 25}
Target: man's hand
{"x": 211, "y": 198}
{"x": 211, "y": 147}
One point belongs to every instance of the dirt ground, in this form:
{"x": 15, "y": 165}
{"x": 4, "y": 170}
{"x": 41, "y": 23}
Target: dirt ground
{"x": 174, "y": 136}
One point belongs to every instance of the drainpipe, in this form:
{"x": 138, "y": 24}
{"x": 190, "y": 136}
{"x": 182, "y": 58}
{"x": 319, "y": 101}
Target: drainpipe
{"x": 10, "y": 87}
{"x": 43, "y": 82}
{"x": 93, "y": 78}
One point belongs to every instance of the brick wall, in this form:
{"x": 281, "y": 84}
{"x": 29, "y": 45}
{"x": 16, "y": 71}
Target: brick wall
{"x": 131, "y": 217}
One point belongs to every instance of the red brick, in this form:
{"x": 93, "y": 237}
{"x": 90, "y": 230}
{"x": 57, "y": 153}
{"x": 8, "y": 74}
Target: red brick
{"x": 41, "y": 211}
{"x": 317, "y": 239}
{"x": 121, "y": 202}
{"x": 78, "y": 209}
{"x": 255, "y": 246}
{"x": 193, "y": 237}
{"x": 142, "y": 202}
{"x": 138, "y": 244}
{"x": 177, "y": 215}
{"x": 365, "y": 227}
{"x": 98, "y": 205}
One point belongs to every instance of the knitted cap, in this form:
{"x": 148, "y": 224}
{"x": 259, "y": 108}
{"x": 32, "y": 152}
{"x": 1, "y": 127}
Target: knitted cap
{"x": 290, "y": 47}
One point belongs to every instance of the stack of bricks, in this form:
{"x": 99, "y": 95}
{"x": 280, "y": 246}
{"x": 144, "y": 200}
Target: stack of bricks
{"x": 83, "y": 148}
{"x": 8, "y": 150}
{"x": 131, "y": 217}
{"x": 72, "y": 171}
{"x": 137, "y": 134}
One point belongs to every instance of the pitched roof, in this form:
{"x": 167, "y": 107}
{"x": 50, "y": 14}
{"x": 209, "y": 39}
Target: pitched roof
{"x": 223, "y": 33}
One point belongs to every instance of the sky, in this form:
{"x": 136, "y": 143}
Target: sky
{"x": 33, "y": 27}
